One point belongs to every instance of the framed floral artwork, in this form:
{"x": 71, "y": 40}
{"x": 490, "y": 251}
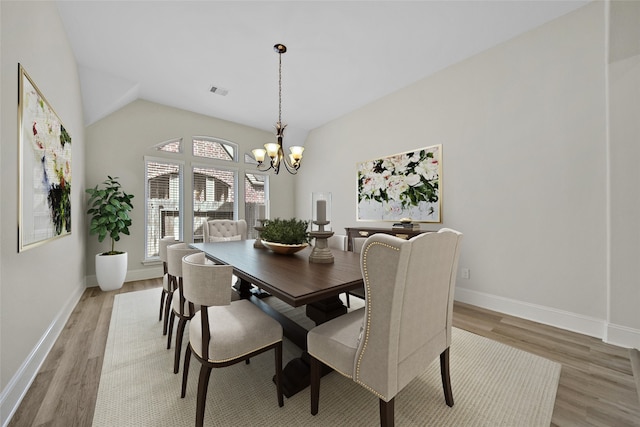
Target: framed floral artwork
{"x": 404, "y": 185}
{"x": 44, "y": 168}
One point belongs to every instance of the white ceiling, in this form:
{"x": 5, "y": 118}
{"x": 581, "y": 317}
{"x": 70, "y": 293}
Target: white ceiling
{"x": 341, "y": 54}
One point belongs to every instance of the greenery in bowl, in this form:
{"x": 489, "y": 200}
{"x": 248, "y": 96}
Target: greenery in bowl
{"x": 286, "y": 231}
{"x": 109, "y": 208}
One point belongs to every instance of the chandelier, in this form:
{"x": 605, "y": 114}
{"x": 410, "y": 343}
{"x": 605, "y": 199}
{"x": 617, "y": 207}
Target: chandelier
{"x": 273, "y": 150}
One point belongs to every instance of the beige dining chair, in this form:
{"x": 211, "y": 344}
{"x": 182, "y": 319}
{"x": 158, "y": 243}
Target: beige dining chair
{"x": 180, "y": 305}
{"x": 339, "y": 242}
{"x": 405, "y": 324}
{"x": 223, "y": 332}
{"x": 220, "y": 230}
{"x": 167, "y": 285}
{"x": 357, "y": 248}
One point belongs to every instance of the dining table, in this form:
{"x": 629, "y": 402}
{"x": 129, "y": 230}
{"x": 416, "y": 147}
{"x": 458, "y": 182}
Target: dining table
{"x": 296, "y": 281}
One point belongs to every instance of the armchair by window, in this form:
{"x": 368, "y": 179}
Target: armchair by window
{"x": 217, "y": 230}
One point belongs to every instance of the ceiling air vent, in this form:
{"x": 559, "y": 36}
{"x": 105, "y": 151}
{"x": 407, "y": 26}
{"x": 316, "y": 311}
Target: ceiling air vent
{"x": 219, "y": 90}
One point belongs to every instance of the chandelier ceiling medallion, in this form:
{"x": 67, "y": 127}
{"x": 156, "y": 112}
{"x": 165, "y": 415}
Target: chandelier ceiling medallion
{"x": 273, "y": 150}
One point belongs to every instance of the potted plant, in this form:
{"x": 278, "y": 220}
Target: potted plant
{"x": 109, "y": 207}
{"x": 285, "y": 235}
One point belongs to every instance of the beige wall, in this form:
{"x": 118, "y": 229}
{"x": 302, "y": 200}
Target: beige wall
{"x": 117, "y": 144}
{"x": 38, "y": 287}
{"x": 624, "y": 135}
{"x": 524, "y": 135}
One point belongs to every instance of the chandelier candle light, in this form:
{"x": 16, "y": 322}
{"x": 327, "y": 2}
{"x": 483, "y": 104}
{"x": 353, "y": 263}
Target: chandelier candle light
{"x": 272, "y": 149}
{"x": 321, "y": 214}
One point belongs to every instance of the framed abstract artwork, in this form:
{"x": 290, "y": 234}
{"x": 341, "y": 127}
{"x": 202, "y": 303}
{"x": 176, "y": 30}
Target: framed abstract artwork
{"x": 44, "y": 168}
{"x": 404, "y": 185}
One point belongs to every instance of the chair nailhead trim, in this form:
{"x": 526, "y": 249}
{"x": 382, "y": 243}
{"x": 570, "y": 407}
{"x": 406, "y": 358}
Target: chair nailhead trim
{"x": 356, "y": 377}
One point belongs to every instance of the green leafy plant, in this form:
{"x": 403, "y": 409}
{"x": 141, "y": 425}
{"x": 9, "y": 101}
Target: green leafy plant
{"x": 286, "y": 231}
{"x": 109, "y": 208}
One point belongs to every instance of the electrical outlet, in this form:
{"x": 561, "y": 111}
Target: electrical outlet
{"x": 466, "y": 273}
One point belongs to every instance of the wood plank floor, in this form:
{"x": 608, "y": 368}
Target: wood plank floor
{"x": 597, "y": 386}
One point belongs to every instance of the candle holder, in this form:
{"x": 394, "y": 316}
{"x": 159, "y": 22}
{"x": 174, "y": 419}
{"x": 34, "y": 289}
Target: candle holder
{"x": 321, "y": 228}
{"x": 258, "y": 242}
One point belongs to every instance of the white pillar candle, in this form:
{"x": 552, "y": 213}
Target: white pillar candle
{"x": 321, "y": 210}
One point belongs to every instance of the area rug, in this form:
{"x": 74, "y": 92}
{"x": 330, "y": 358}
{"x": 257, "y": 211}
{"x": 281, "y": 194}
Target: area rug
{"x": 493, "y": 384}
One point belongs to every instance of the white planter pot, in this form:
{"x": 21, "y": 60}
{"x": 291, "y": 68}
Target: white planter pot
{"x": 111, "y": 271}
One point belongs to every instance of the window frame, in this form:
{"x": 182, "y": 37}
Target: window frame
{"x": 181, "y": 165}
{"x": 222, "y": 142}
{"x": 214, "y": 165}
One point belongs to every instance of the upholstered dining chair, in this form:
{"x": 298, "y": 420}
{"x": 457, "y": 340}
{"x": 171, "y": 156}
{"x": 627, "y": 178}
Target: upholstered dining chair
{"x": 339, "y": 242}
{"x": 180, "y": 305}
{"x": 167, "y": 285}
{"x": 223, "y": 332}
{"x": 357, "y": 248}
{"x": 405, "y": 324}
{"x": 220, "y": 230}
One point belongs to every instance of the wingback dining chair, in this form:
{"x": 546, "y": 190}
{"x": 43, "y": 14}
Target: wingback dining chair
{"x": 167, "y": 285}
{"x": 223, "y": 332}
{"x": 219, "y": 230}
{"x": 405, "y": 324}
{"x": 181, "y": 307}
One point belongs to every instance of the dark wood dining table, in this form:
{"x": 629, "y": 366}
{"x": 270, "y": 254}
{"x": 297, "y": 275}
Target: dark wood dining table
{"x": 294, "y": 280}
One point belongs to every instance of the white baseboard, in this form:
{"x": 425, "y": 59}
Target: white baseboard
{"x": 549, "y": 316}
{"x": 132, "y": 275}
{"x": 622, "y": 336}
{"x": 18, "y": 386}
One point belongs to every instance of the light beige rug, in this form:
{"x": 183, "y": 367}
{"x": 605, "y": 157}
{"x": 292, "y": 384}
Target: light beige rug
{"x": 493, "y": 385}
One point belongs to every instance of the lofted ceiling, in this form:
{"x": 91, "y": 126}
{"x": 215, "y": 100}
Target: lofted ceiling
{"x": 341, "y": 54}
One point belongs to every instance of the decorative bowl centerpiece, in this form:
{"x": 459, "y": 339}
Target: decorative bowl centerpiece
{"x": 285, "y": 236}
{"x": 283, "y": 249}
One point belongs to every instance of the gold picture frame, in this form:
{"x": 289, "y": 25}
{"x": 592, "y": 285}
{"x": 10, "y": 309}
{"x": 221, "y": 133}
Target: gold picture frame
{"x": 44, "y": 181}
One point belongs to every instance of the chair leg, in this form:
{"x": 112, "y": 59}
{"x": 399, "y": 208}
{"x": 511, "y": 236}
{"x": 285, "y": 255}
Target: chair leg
{"x": 387, "y": 418}
{"x": 348, "y": 302}
{"x": 278, "y": 358}
{"x": 446, "y": 380}
{"x": 185, "y": 370}
{"x": 162, "y": 296}
{"x": 315, "y": 366}
{"x": 203, "y": 385}
{"x": 167, "y": 311}
{"x": 179, "y": 334}
{"x": 170, "y": 329}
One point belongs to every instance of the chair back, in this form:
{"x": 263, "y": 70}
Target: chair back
{"x": 206, "y": 283}
{"x": 162, "y": 249}
{"x": 409, "y": 288}
{"x": 224, "y": 229}
{"x": 338, "y": 241}
{"x": 175, "y": 253}
{"x": 358, "y": 242}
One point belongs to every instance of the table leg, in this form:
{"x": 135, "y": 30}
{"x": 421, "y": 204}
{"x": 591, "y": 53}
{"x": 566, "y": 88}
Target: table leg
{"x": 243, "y": 288}
{"x": 295, "y": 374}
{"x": 325, "y": 310}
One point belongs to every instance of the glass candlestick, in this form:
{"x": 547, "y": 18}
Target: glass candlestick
{"x": 320, "y": 211}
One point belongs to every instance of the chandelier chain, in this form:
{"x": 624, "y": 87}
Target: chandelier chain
{"x": 276, "y": 156}
{"x": 280, "y": 87}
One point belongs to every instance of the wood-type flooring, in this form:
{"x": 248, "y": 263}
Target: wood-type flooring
{"x": 597, "y": 386}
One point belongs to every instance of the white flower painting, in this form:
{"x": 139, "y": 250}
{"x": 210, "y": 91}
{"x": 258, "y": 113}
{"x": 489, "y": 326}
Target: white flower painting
{"x": 45, "y": 169}
{"x": 405, "y": 185}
